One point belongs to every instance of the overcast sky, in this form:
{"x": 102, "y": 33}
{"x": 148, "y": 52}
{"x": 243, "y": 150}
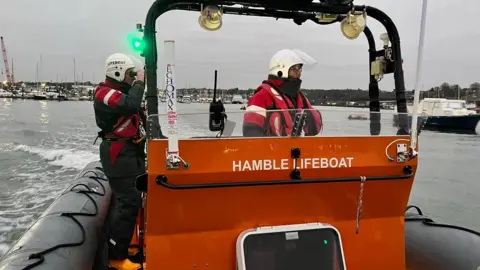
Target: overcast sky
{"x": 88, "y": 30}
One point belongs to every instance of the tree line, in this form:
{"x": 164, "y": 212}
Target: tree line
{"x": 445, "y": 90}
{"x": 320, "y": 96}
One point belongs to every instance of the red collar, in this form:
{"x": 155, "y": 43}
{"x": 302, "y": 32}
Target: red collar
{"x": 115, "y": 85}
{"x": 275, "y": 81}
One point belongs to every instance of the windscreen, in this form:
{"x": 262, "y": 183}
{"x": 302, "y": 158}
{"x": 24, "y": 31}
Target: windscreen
{"x": 192, "y": 121}
{"x": 296, "y": 250}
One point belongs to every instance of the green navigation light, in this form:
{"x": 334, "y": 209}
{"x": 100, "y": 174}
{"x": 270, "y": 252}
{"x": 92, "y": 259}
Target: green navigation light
{"x": 136, "y": 42}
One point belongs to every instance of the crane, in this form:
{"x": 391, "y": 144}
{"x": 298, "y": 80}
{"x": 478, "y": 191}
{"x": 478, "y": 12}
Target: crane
{"x": 5, "y": 61}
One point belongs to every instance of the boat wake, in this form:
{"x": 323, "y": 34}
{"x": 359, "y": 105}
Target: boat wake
{"x": 66, "y": 158}
{"x": 31, "y": 185}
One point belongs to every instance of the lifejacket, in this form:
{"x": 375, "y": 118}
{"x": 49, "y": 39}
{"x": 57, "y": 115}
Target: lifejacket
{"x": 125, "y": 129}
{"x": 280, "y": 123}
{"x": 116, "y": 127}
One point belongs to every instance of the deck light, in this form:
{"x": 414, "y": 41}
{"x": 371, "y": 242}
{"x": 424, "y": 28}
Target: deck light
{"x": 210, "y": 18}
{"x": 353, "y": 24}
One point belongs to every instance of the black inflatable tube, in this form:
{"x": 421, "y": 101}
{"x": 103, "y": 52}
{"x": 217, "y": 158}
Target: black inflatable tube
{"x": 436, "y": 246}
{"x": 71, "y": 232}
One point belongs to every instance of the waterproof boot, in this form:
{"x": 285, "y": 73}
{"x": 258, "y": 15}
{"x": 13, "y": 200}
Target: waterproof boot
{"x": 132, "y": 251}
{"x": 124, "y": 265}
{"x": 136, "y": 256}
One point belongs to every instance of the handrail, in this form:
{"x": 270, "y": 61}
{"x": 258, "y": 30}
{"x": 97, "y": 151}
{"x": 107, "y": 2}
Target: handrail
{"x": 162, "y": 180}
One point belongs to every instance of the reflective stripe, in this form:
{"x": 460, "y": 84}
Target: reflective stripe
{"x": 123, "y": 126}
{"x": 276, "y": 94}
{"x": 257, "y": 109}
{"x": 108, "y": 96}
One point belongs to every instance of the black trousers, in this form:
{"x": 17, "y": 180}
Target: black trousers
{"x": 122, "y": 174}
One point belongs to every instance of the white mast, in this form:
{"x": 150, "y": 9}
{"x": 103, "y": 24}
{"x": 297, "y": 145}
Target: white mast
{"x": 173, "y": 157}
{"x": 416, "y": 100}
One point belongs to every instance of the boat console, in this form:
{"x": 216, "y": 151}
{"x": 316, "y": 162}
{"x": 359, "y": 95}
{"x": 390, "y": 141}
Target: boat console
{"x": 309, "y": 246}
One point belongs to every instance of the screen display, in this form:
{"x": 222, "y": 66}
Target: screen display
{"x": 316, "y": 249}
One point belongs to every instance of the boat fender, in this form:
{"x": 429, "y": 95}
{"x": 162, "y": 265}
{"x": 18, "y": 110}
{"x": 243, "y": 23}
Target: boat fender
{"x": 70, "y": 232}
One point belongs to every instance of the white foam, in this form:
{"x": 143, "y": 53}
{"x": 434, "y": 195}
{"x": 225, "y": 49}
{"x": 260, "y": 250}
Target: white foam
{"x": 3, "y": 247}
{"x": 67, "y": 158}
{"x": 7, "y": 147}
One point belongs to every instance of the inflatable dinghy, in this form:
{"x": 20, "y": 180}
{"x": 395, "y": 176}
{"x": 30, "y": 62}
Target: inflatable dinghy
{"x": 70, "y": 234}
{"x": 357, "y": 117}
{"x": 436, "y": 246}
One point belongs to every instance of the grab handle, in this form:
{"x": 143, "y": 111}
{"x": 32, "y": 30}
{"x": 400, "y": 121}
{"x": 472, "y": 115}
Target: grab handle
{"x": 163, "y": 181}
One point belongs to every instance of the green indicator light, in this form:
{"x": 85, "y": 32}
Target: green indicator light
{"x": 136, "y": 42}
{"x": 325, "y": 242}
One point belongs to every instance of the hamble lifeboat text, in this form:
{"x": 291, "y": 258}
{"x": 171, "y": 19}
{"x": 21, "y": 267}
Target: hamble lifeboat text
{"x": 288, "y": 164}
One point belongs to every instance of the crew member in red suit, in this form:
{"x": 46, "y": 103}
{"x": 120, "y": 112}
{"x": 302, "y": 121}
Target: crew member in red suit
{"x": 119, "y": 115}
{"x": 271, "y": 110}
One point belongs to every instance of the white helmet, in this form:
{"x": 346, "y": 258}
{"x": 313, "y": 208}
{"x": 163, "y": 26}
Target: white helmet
{"x": 116, "y": 66}
{"x": 284, "y": 59}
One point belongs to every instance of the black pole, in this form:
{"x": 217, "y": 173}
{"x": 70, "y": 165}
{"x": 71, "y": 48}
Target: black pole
{"x": 150, "y": 52}
{"x": 373, "y": 91}
{"x": 215, "y": 86}
{"x": 404, "y": 125}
